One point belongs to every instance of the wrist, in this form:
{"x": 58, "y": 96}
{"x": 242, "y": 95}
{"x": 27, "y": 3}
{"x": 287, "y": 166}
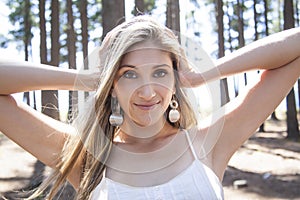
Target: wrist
{"x": 86, "y": 81}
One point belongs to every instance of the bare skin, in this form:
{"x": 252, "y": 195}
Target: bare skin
{"x": 279, "y": 55}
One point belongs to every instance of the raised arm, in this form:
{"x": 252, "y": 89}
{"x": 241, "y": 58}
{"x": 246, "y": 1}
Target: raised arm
{"x": 268, "y": 53}
{"x": 37, "y": 133}
{"x": 279, "y": 56}
{"x": 25, "y": 76}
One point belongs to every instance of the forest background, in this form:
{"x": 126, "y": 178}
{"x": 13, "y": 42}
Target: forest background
{"x": 63, "y": 33}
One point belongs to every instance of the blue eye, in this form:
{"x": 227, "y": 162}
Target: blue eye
{"x": 160, "y": 73}
{"x": 130, "y": 74}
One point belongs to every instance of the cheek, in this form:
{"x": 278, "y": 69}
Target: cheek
{"x": 124, "y": 93}
{"x": 125, "y": 89}
{"x": 167, "y": 93}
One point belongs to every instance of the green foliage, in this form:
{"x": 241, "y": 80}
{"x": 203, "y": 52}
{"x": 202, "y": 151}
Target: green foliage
{"x": 149, "y": 5}
{"x": 94, "y": 7}
{"x": 17, "y": 17}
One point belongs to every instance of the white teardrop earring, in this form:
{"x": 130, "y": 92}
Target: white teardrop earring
{"x": 115, "y": 119}
{"x": 174, "y": 114}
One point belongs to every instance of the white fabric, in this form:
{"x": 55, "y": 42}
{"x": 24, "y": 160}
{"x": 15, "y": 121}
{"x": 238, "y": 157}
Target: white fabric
{"x": 196, "y": 182}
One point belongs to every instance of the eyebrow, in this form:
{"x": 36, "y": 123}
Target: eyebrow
{"x": 155, "y": 66}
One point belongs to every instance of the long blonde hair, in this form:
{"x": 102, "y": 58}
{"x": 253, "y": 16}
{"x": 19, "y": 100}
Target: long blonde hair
{"x": 95, "y": 135}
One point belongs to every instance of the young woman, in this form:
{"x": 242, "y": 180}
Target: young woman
{"x": 138, "y": 137}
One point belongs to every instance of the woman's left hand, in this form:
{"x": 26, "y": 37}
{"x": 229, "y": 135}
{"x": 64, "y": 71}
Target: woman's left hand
{"x": 187, "y": 75}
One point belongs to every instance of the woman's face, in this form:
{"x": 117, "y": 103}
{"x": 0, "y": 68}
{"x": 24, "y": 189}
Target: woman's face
{"x": 144, "y": 85}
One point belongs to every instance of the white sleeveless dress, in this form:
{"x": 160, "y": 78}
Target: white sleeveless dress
{"x": 195, "y": 183}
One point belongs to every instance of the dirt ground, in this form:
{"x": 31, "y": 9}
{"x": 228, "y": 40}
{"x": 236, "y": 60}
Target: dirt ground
{"x": 267, "y": 165}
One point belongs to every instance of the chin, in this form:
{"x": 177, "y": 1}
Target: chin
{"x": 149, "y": 121}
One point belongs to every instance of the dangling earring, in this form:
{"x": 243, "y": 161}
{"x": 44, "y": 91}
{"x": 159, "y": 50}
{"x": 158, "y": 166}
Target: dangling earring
{"x": 174, "y": 114}
{"x": 115, "y": 119}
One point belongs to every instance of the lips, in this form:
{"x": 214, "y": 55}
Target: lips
{"x": 146, "y": 106}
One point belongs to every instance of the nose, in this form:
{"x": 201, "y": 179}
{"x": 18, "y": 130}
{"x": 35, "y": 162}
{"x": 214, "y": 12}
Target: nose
{"x": 146, "y": 92}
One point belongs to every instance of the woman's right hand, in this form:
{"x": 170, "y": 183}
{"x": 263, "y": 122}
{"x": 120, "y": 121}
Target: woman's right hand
{"x": 87, "y": 80}
{"x": 25, "y": 76}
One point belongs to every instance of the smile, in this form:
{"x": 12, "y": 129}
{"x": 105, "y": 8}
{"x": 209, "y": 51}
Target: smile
{"x": 146, "y": 106}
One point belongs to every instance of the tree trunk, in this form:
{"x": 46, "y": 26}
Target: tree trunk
{"x": 173, "y": 16}
{"x": 71, "y": 36}
{"x": 26, "y": 98}
{"x": 43, "y": 42}
{"x": 27, "y": 29}
{"x": 221, "y": 50}
{"x": 229, "y": 28}
{"x": 55, "y": 45}
{"x": 43, "y": 34}
{"x": 255, "y": 20}
{"x": 240, "y": 23}
{"x": 84, "y": 35}
{"x": 220, "y": 16}
{"x": 84, "y": 29}
{"x": 139, "y": 7}
{"x": 266, "y": 17}
{"x": 113, "y": 13}
{"x": 292, "y": 122}
{"x": 27, "y": 38}
{"x": 50, "y": 98}
{"x": 71, "y": 45}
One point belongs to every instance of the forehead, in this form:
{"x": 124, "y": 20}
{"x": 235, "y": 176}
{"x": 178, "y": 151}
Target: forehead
{"x": 147, "y": 52}
{"x": 143, "y": 56}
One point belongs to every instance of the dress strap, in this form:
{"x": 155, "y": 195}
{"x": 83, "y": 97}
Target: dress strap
{"x": 190, "y": 144}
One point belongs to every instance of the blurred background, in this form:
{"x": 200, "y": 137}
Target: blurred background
{"x": 64, "y": 33}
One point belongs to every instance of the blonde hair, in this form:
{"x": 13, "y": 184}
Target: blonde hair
{"x": 94, "y": 143}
